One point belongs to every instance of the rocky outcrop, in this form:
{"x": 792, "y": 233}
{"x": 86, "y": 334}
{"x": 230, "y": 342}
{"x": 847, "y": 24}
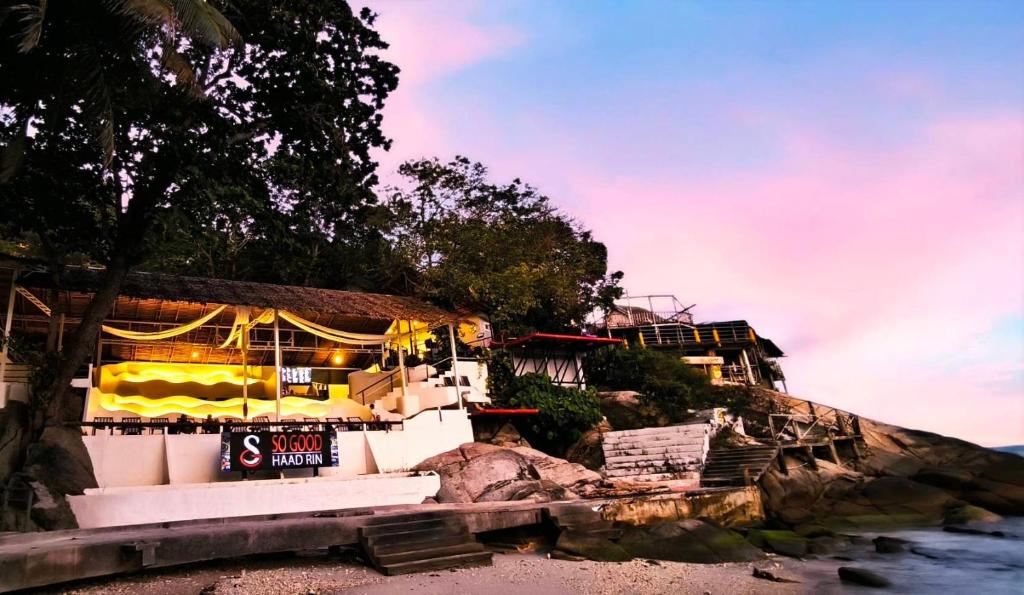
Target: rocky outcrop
{"x": 476, "y": 472}
{"x": 903, "y": 477}
{"x": 625, "y": 410}
{"x": 689, "y": 540}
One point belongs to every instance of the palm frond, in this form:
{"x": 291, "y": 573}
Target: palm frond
{"x": 32, "y": 16}
{"x": 201, "y": 21}
{"x": 97, "y": 106}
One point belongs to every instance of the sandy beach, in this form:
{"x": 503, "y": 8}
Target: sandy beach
{"x": 520, "y": 573}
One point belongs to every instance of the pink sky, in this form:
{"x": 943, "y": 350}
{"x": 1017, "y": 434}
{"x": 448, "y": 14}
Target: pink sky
{"x": 883, "y": 253}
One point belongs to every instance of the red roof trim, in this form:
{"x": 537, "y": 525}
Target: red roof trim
{"x": 577, "y": 339}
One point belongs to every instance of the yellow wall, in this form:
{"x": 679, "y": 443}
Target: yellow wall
{"x": 167, "y": 390}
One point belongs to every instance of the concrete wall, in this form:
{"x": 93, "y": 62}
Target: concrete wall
{"x": 732, "y": 507}
{"x": 111, "y": 507}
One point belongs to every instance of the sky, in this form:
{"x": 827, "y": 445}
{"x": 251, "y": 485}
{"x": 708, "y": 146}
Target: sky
{"x": 848, "y": 177}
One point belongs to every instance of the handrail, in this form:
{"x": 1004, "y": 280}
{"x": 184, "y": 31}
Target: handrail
{"x": 390, "y": 376}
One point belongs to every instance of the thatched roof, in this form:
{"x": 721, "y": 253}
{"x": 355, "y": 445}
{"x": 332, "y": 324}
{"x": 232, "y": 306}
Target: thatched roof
{"x": 202, "y": 290}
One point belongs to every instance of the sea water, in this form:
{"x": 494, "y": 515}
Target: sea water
{"x": 936, "y": 562}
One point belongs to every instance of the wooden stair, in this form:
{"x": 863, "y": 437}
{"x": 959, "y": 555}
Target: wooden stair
{"x": 737, "y": 466}
{"x": 422, "y": 541}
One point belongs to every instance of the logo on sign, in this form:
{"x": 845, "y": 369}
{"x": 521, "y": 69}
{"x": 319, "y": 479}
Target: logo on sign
{"x": 251, "y": 457}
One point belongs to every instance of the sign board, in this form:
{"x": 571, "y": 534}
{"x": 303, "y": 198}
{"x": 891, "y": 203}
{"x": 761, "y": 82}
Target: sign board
{"x": 703, "y": 360}
{"x": 264, "y": 451}
{"x": 297, "y": 375}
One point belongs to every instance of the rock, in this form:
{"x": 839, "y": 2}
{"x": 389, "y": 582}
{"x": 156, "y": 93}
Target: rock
{"x": 591, "y": 547}
{"x": 560, "y": 555}
{"x": 860, "y": 576}
{"x": 967, "y": 513}
{"x": 782, "y": 542}
{"x": 477, "y": 472}
{"x": 57, "y": 465}
{"x": 889, "y": 545}
{"x": 812, "y": 530}
{"x": 689, "y": 540}
{"x": 946, "y": 478}
{"x": 587, "y": 451}
{"x": 825, "y": 545}
{"x": 498, "y": 432}
{"x": 768, "y": 575}
{"x": 970, "y": 531}
{"x": 625, "y": 410}
{"x": 559, "y": 471}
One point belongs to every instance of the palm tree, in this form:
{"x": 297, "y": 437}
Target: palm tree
{"x": 72, "y": 55}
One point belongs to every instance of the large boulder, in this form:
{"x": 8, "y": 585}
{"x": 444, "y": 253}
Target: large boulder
{"x": 592, "y": 547}
{"x": 625, "y": 410}
{"x": 57, "y": 465}
{"x": 689, "y": 540}
{"x": 588, "y": 450}
{"x": 786, "y": 543}
{"x": 499, "y": 432}
{"x": 476, "y": 472}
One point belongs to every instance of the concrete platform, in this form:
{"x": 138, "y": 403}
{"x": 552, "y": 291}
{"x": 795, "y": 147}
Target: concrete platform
{"x": 32, "y": 560}
{"x": 141, "y": 505}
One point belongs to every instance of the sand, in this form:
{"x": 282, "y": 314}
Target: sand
{"x": 511, "y": 573}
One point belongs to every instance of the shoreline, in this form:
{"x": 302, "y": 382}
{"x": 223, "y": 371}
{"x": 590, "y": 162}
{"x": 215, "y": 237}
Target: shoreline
{"x": 524, "y": 572}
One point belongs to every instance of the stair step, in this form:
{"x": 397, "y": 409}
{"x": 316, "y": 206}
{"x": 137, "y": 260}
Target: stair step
{"x": 675, "y": 458}
{"x": 681, "y": 429}
{"x": 651, "y": 450}
{"x": 452, "y": 561}
{"x": 440, "y": 541}
{"x": 617, "y": 473}
{"x": 390, "y": 519}
{"x": 415, "y": 536}
{"x": 652, "y": 440}
{"x": 467, "y": 547}
{"x": 405, "y": 526}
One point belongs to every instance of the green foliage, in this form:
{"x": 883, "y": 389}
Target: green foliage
{"x": 499, "y": 248}
{"x": 662, "y": 379}
{"x": 565, "y": 413}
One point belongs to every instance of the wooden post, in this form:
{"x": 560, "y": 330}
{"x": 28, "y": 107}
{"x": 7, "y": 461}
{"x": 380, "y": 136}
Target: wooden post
{"x": 7, "y": 336}
{"x": 835, "y": 454}
{"x": 277, "y": 368}
{"x": 782, "y": 462}
{"x": 455, "y": 365}
{"x": 245, "y": 385}
{"x": 811, "y": 461}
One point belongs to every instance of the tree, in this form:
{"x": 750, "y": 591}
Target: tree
{"x": 152, "y": 111}
{"x": 503, "y": 249}
{"x": 95, "y": 115}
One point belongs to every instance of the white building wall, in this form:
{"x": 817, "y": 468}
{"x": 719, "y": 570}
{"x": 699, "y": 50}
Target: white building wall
{"x": 180, "y": 459}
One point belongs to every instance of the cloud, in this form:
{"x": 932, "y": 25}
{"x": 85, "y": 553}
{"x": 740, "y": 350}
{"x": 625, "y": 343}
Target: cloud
{"x": 870, "y": 220}
{"x": 431, "y": 42}
{"x": 880, "y": 272}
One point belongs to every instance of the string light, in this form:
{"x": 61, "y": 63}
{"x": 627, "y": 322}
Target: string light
{"x": 337, "y": 359}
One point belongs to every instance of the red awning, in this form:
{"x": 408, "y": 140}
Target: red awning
{"x": 556, "y": 341}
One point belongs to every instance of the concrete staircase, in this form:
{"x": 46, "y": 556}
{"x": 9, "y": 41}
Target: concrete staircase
{"x": 656, "y": 454}
{"x": 422, "y": 541}
{"x": 737, "y": 466}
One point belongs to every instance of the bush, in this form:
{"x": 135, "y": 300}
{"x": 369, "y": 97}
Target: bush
{"x": 662, "y": 379}
{"x": 564, "y": 413}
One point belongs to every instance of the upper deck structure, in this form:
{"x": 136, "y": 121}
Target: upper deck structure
{"x": 729, "y": 351}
